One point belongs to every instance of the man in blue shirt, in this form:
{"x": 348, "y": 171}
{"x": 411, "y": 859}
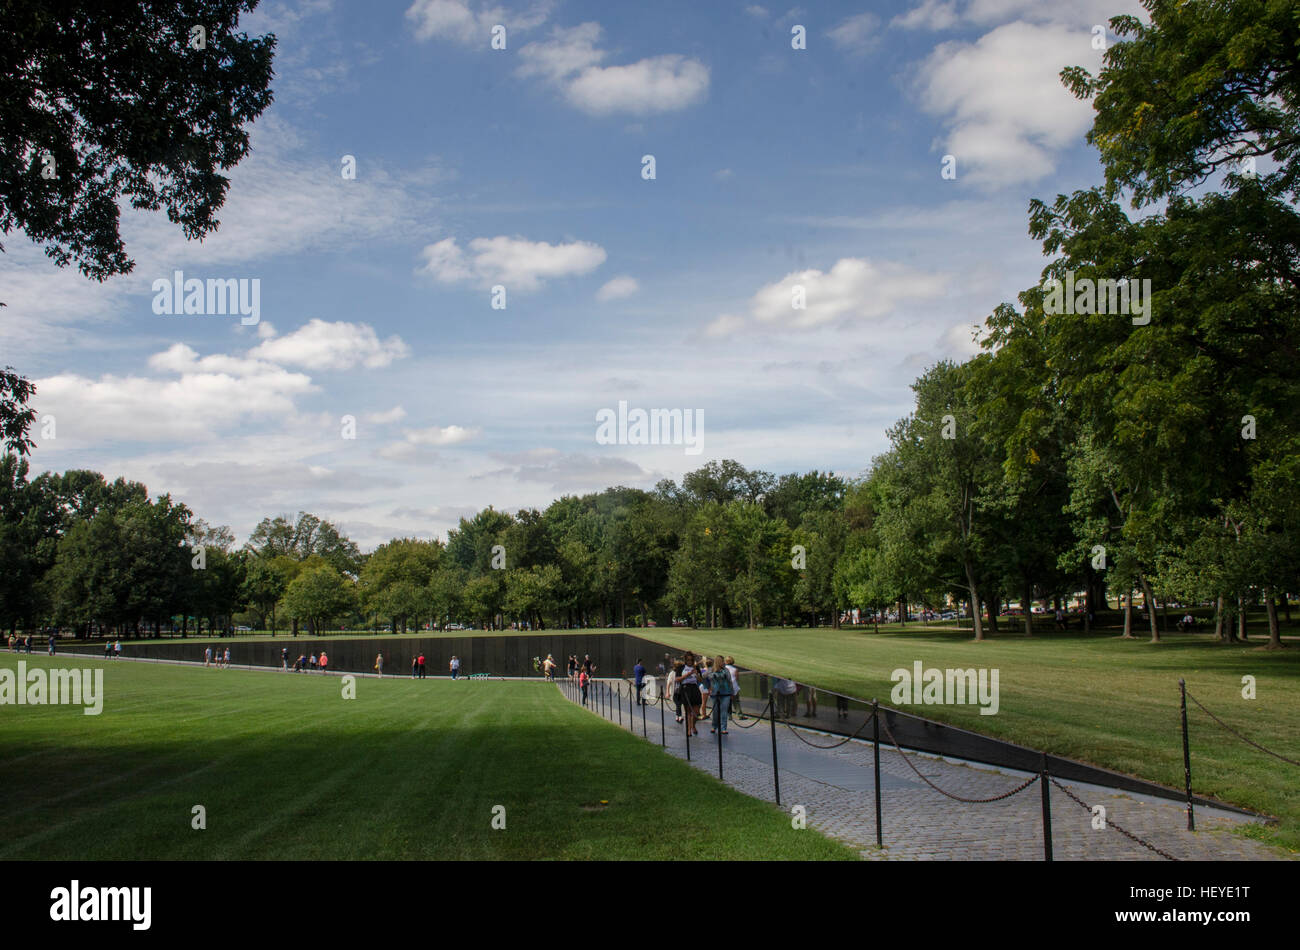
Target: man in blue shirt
{"x": 638, "y": 672}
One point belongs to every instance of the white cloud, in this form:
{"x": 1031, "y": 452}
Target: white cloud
{"x": 856, "y": 34}
{"x": 331, "y": 346}
{"x": 724, "y": 326}
{"x": 446, "y": 435}
{"x": 946, "y": 14}
{"x": 722, "y": 174}
{"x": 658, "y": 84}
{"x": 569, "y": 60}
{"x": 211, "y": 393}
{"x": 416, "y": 442}
{"x": 570, "y": 472}
{"x": 961, "y": 339}
{"x": 387, "y": 416}
{"x": 568, "y": 51}
{"x": 514, "y": 262}
{"x": 756, "y": 11}
{"x": 1006, "y": 112}
{"x": 929, "y": 15}
{"x": 470, "y": 23}
{"x": 853, "y": 288}
{"x": 618, "y": 288}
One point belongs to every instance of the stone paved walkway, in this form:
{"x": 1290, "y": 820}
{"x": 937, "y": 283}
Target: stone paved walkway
{"x": 836, "y": 787}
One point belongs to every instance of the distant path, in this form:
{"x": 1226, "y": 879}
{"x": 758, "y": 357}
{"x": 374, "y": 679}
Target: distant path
{"x": 836, "y": 787}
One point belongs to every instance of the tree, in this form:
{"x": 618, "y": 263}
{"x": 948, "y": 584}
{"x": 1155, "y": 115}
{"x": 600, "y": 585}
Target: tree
{"x": 15, "y": 417}
{"x": 318, "y": 595}
{"x": 101, "y": 104}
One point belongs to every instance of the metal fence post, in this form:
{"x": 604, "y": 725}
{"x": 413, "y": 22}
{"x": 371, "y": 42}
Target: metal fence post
{"x": 1047, "y": 811}
{"x": 620, "y": 702}
{"x": 645, "y": 733}
{"x": 1187, "y": 758}
{"x": 687, "y": 721}
{"x": 719, "y": 734}
{"x": 776, "y": 775}
{"x": 663, "y": 729}
{"x": 875, "y": 747}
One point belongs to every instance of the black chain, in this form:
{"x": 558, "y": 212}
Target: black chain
{"x": 835, "y": 745}
{"x": 757, "y": 719}
{"x": 1238, "y": 734}
{"x": 1111, "y": 824}
{"x": 970, "y": 801}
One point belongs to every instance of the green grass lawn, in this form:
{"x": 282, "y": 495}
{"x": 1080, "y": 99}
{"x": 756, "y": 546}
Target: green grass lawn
{"x": 288, "y": 769}
{"x": 1100, "y": 699}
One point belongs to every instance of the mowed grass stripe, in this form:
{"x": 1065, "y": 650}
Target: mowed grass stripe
{"x": 288, "y": 769}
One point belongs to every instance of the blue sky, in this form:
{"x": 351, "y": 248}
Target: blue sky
{"x": 478, "y": 167}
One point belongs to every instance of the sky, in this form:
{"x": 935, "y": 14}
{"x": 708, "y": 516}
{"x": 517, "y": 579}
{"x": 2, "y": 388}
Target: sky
{"x": 380, "y": 387}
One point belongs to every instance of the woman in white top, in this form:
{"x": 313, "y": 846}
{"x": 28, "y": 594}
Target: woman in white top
{"x": 690, "y": 680}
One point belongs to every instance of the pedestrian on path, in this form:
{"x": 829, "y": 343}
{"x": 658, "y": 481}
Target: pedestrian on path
{"x": 690, "y": 679}
{"x": 324, "y": 661}
{"x": 673, "y": 688}
{"x": 583, "y": 680}
{"x": 638, "y": 676}
{"x": 421, "y": 666}
{"x": 735, "y": 689}
{"x": 720, "y": 688}
{"x": 454, "y": 666}
{"x": 379, "y": 664}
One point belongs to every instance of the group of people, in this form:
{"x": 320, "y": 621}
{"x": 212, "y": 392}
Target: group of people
{"x": 19, "y": 644}
{"x": 695, "y": 682}
{"x": 112, "y": 648}
{"x": 220, "y": 660}
{"x": 306, "y": 663}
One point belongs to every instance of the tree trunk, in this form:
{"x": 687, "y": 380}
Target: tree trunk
{"x": 1241, "y": 618}
{"x": 1274, "y": 633}
{"x": 975, "y": 602}
{"x": 1218, "y": 620}
{"x": 295, "y": 626}
{"x": 1128, "y": 614}
{"x": 1151, "y": 608}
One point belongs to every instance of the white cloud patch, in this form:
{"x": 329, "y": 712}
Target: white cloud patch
{"x": 1006, "y": 112}
{"x": 332, "y": 346}
{"x": 946, "y": 14}
{"x": 515, "y": 262}
{"x": 470, "y": 23}
{"x": 856, "y": 34}
{"x": 570, "y": 472}
{"x": 617, "y": 289}
{"x": 212, "y": 393}
{"x": 569, "y": 60}
{"x": 416, "y": 442}
{"x": 383, "y": 418}
{"x": 854, "y": 288}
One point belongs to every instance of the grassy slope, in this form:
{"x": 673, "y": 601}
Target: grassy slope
{"x": 1100, "y": 699}
{"x": 287, "y": 769}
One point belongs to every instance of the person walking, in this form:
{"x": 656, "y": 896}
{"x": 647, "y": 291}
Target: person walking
{"x": 735, "y": 689}
{"x": 638, "y": 680}
{"x": 207, "y": 656}
{"x": 117, "y": 648}
{"x": 573, "y": 665}
{"x": 51, "y": 644}
{"x": 583, "y": 680}
{"x": 324, "y": 661}
{"x": 706, "y": 666}
{"x": 720, "y": 689}
{"x": 673, "y": 690}
{"x": 454, "y": 666}
{"x": 379, "y": 664}
{"x": 690, "y": 680}
{"x": 284, "y": 659}
{"x": 225, "y": 658}
{"x": 421, "y": 666}
{"x": 312, "y": 661}
{"x": 548, "y": 667}
{"x": 415, "y": 667}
